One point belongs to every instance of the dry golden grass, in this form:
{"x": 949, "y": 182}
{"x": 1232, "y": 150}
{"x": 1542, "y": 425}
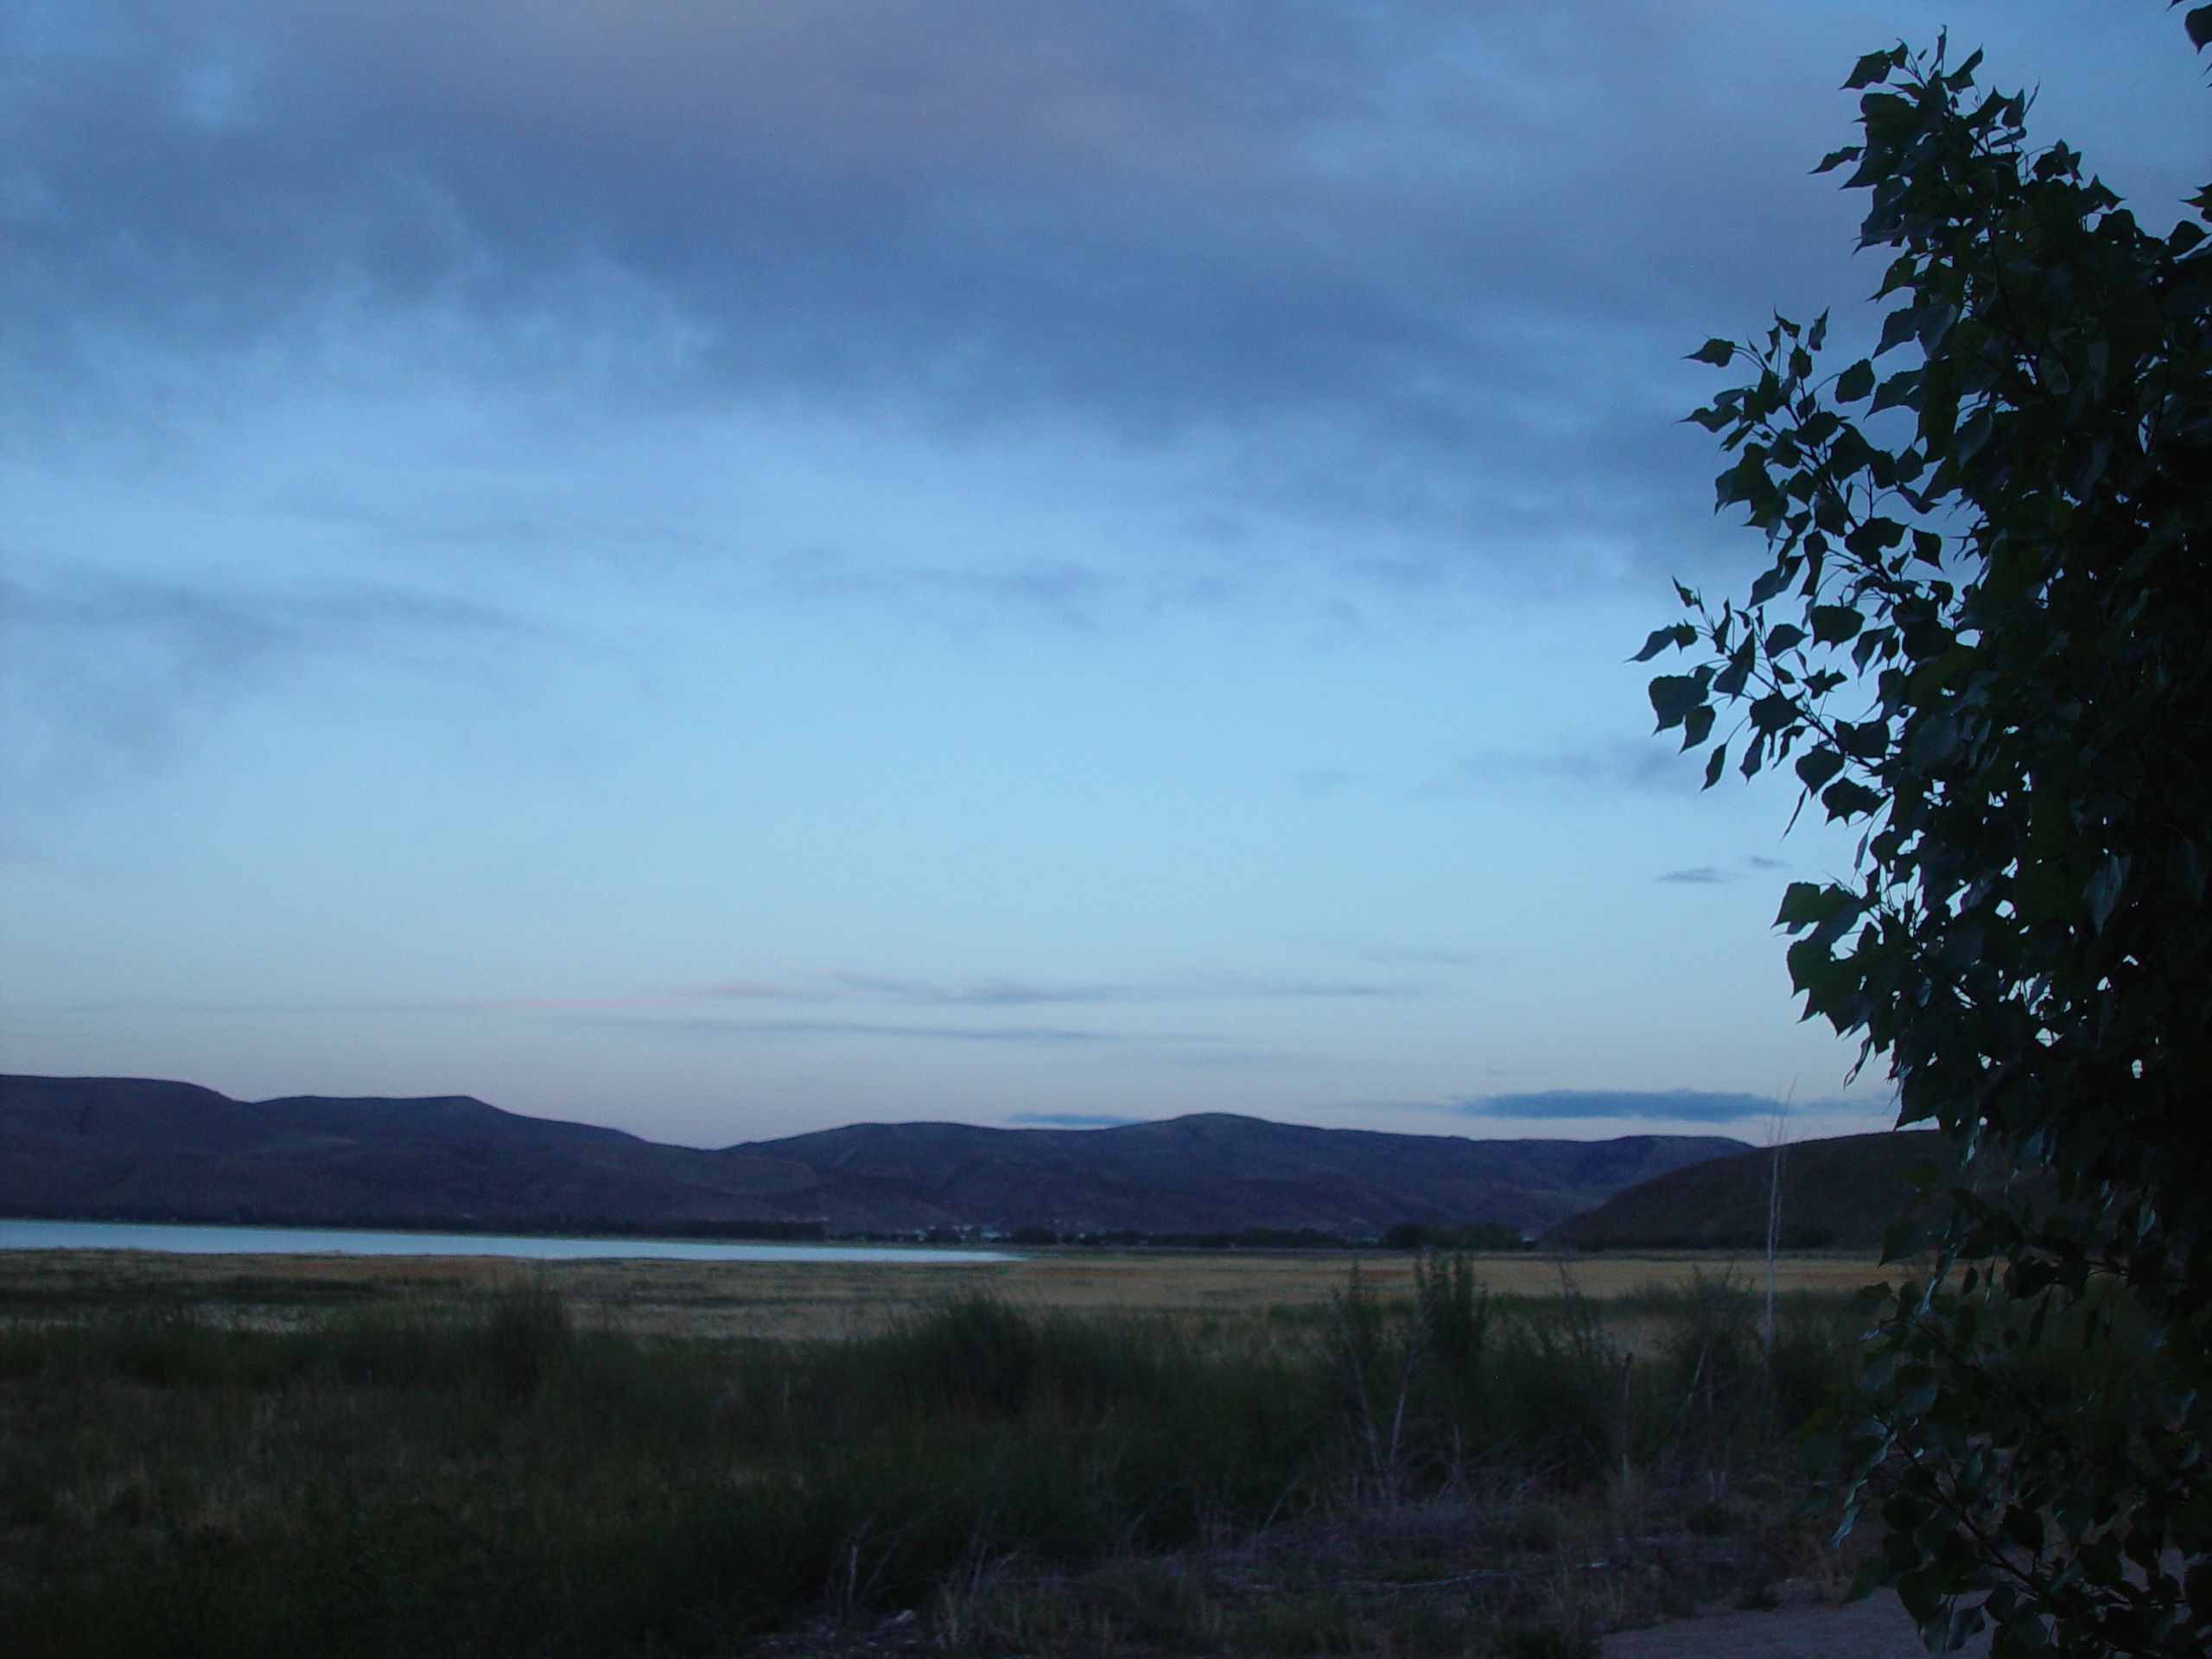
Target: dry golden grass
{"x": 1225, "y": 1282}
{"x": 788, "y": 1299}
{"x": 1214, "y": 1486}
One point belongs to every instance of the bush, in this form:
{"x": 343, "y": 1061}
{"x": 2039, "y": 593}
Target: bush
{"x": 491, "y": 1481}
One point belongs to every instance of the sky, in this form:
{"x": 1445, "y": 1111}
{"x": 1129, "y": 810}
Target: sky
{"x": 724, "y": 568}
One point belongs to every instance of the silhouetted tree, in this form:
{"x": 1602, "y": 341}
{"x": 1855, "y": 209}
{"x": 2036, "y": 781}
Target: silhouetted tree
{"x": 1984, "y": 636}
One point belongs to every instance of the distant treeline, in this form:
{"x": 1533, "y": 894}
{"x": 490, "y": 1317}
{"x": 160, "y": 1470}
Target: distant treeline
{"x": 1405, "y": 1236}
{"x": 1455, "y": 1236}
{"x": 1809, "y": 1236}
{"x": 547, "y": 1226}
{"x": 1248, "y": 1238}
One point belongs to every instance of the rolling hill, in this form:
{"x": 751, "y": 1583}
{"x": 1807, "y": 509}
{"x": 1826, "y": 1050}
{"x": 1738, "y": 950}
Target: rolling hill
{"x": 1837, "y": 1193}
{"x": 124, "y": 1147}
{"x": 1215, "y": 1171}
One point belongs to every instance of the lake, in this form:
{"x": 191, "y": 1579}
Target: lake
{"x": 337, "y": 1240}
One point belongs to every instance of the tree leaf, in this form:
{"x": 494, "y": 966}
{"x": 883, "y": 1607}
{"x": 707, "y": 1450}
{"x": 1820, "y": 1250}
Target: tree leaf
{"x": 1682, "y": 636}
{"x": 1896, "y": 328}
{"x": 1769, "y": 583}
{"x": 1673, "y": 696}
{"x": 1808, "y": 904}
{"x": 1834, "y": 624}
{"x": 2103, "y": 894}
{"x": 1774, "y": 711}
{"x": 1816, "y": 766}
{"x": 1901, "y": 1240}
{"x": 1873, "y": 67}
{"x": 1845, "y": 799}
{"x": 2019, "y": 590}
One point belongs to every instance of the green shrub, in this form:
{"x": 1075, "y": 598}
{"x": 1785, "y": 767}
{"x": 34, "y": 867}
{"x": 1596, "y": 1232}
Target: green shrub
{"x": 481, "y": 1481}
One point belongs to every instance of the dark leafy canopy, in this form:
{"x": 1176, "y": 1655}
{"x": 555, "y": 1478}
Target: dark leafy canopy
{"x": 1985, "y": 637}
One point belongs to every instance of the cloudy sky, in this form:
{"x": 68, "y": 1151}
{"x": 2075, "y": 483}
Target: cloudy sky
{"x": 723, "y": 567}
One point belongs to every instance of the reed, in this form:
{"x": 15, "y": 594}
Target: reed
{"x": 495, "y": 1476}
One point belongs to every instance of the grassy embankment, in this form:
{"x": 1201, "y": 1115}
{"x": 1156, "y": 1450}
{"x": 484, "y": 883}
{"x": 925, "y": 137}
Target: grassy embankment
{"x": 465, "y": 1462}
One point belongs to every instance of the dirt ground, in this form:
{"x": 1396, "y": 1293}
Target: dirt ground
{"x": 796, "y": 1300}
{"x": 1876, "y": 1628}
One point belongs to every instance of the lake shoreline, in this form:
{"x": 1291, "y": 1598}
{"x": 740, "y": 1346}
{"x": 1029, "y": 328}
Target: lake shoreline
{"x": 234, "y": 1239}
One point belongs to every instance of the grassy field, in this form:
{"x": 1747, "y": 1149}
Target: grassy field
{"x": 1069, "y": 1454}
{"x": 788, "y": 1301}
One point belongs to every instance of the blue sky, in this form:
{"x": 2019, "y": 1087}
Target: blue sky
{"x": 724, "y": 568}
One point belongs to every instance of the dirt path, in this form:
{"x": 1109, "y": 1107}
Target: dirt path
{"x": 1876, "y": 1628}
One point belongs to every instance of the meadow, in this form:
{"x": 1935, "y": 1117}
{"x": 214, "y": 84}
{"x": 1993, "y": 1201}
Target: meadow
{"x": 1071, "y": 1453}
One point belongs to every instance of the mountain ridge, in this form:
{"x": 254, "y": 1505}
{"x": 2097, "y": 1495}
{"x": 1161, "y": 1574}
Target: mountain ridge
{"x": 87, "y": 1145}
{"x": 1837, "y": 1194}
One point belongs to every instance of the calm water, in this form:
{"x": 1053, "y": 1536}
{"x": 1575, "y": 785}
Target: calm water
{"x": 308, "y": 1240}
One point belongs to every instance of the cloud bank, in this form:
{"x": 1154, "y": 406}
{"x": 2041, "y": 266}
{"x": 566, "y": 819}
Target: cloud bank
{"x": 1415, "y": 231}
{"x": 1671, "y": 1105}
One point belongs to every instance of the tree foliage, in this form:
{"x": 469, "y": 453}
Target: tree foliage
{"x": 1984, "y": 637}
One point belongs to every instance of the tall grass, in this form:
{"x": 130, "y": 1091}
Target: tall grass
{"x": 496, "y": 1480}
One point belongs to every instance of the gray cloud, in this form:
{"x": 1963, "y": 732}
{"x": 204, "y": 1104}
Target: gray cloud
{"x": 998, "y": 993}
{"x": 1389, "y": 955}
{"x": 876, "y": 988}
{"x": 1676, "y": 1105}
{"x": 1642, "y": 765}
{"x": 1002, "y": 993}
{"x": 1407, "y": 285}
{"x": 684, "y": 1013}
{"x": 1705, "y": 875}
{"x": 1484, "y": 230}
{"x": 1272, "y": 194}
{"x": 1408, "y": 232}
{"x": 696, "y": 1027}
{"x": 98, "y": 667}
{"x": 1077, "y": 595}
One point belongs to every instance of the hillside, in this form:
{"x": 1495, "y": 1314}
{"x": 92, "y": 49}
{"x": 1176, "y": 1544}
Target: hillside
{"x": 145, "y": 1147}
{"x": 1837, "y": 1194}
{"x": 1215, "y": 1171}
{"x": 83, "y": 1146}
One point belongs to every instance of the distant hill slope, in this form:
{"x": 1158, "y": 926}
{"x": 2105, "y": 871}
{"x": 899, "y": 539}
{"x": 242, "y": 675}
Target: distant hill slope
{"x": 1217, "y": 1172}
{"x": 138, "y": 1147}
{"x": 121, "y": 1145}
{"x": 1837, "y": 1194}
